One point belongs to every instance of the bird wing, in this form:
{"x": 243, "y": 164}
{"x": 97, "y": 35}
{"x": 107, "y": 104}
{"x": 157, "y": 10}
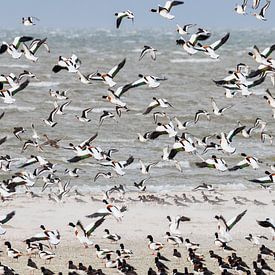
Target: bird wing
{"x": 144, "y": 51}
{"x": 220, "y": 42}
{"x": 99, "y": 213}
{"x": 117, "y": 68}
{"x": 88, "y": 141}
{"x": 137, "y": 83}
{"x": 6, "y": 218}
{"x": 267, "y": 51}
{"x": 17, "y": 40}
{"x": 266, "y": 224}
{"x": 17, "y": 89}
{"x": 235, "y": 220}
{"x": 169, "y": 4}
{"x": 127, "y": 162}
{"x": 90, "y": 228}
{"x": 234, "y": 132}
{"x": 150, "y": 107}
{"x": 265, "y": 7}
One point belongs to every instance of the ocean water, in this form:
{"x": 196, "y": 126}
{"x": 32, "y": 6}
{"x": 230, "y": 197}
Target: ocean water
{"x": 189, "y": 88}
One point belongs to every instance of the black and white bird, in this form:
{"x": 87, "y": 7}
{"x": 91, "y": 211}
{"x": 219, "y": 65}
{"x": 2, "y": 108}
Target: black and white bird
{"x": 107, "y": 78}
{"x": 107, "y": 175}
{"x": 216, "y": 110}
{"x": 30, "y": 51}
{"x": 241, "y": 9}
{"x": 71, "y": 64}
{"x": 105, "y": 115}
{"x": 174, "y": 223}
{"x": 4, "y": 219}
{"x": 256, "y": 4}
{"x": 141, "y": 185}
{"x": 184, "y": 30}
{"x": 84, "y": 115}
{"x": 225, "y": 226}
{"x": 112, "y": 237}
{"x": 145, "y": 169}
{"x": 210, "y": 50}
{"x": 83, "y": 233}
{"x": 49, "y": 121}
{"x": 255, "y": 240}
{"x": 13, "y": 49}
{"x": 161, "y": 102}
{"x": 109, "y": 209}
{"x": 125, "y": 14}
{"x": 261, "y": 15}
{"x": 29, "y": 21}
{"x": 201, "y": 113}
{"x": 268, "y": 223}
{"x": 165, "y": 11}
{"x": 149, "y": 50}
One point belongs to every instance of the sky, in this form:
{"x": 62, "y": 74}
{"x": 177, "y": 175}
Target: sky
{"x": 96, "y": 14}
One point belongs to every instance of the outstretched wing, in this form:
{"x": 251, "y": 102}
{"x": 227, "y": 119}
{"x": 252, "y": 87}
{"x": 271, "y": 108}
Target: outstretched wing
{"x": 6, "y": 218}
{"x": 235, "y": 220}
{"x": 90, "y": 228}
{"x": 100, "y": 213}
{"x": 117, "y": 68}
{"x": 220, "y": 42}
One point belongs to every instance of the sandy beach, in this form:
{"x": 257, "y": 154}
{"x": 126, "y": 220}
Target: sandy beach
{"x": 140, "y": 220}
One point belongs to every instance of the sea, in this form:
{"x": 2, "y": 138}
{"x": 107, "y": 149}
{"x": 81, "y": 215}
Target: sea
{"x": 189, "y": 87}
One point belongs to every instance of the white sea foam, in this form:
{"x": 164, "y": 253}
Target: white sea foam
{"x": 193, "y": 60}
{"x": 44, "y": 84}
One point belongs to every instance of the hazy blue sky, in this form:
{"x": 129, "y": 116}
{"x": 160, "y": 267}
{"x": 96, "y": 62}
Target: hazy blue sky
{"x": 100, "y": 14}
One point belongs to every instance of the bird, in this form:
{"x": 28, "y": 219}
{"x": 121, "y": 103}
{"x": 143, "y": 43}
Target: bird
{"x": 31, "y": 265}
{"x": 184, "y": 30}
{"x": 146, "y": 169}
{"x": 4, "y": 219}
{"x": 13, "y": 48}
{"x": 125, "y": 14}
{"x": 141, "y": 185}
{"x": 155, "y": 246}
{"x": 165, "y": 11}
{"x": 107, "y": 175}
{"x": 161, "y": 102}
{"x": 11, "y": 252}
{"x": 200, "y": 113}
{"x": 30, "y": 51}
{"x": 216, "y": 110}
{"x": 71, "y": 64}
{"x": 105, "y": 115}
{"x": 209, "y": 50}
{"x": 107, "y": 78}
{"x": 240, "y": 9}
{"x": 225, "y": 226}
{"x": 29, "y": 21}
{"x": 246, "y": 162}
{"x": 268, "y": 223}
{"x": 255, "y": 240}
{"x": 49, "y": 121}
{"x": 83, "y": 117}
{"x": 112, "y": 237}
{"x": 83, "y": 233}
{"x": 110, "y": 209}
{"x": 261, "y": 15}
{"x": 149, "y": 50}
{"x": 174, "y": 223}
{"x": 17, "y": 131}
{"x": 118, "y": 166}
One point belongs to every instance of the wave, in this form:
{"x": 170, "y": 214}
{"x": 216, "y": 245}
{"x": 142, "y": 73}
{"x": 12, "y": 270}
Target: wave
{"x": 44, "y": 84}
{"x": 16, "y": 66}
{"x": 18, "y": 108}
{"x": 193, "y": 60}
